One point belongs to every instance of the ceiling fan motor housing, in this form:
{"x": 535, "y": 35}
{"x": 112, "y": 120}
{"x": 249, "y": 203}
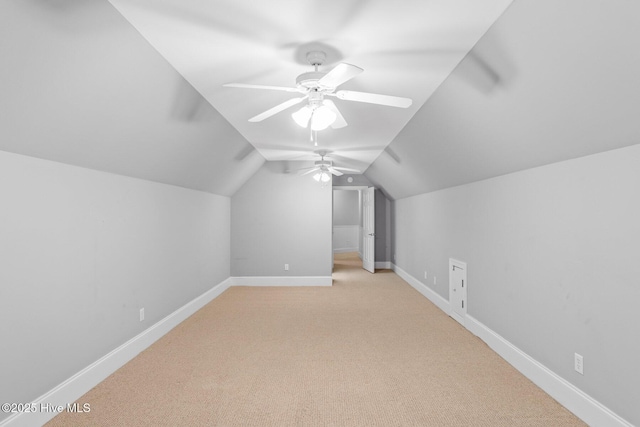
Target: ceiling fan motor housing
{"x": 309, "y": 80}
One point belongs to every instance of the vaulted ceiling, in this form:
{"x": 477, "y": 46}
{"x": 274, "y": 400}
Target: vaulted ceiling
{"x": 565, "y": 85}
{"x": 406, "y": 49}
{"x": 135, "y": 87}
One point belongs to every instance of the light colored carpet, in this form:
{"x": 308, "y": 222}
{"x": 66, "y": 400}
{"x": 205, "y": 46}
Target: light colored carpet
{"x": 368, "y": 351}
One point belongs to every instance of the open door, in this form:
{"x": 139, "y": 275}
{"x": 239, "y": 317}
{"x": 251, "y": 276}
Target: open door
{"x": 369, "y": 229}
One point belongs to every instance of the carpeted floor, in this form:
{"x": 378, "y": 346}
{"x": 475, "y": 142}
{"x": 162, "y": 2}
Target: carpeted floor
{"x": 368, "y": 351}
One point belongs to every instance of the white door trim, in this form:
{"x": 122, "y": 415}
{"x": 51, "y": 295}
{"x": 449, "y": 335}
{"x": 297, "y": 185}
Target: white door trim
{"x": 369, "y": 224}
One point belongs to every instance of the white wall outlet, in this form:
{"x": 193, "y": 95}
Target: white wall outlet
{"x": 434, "y": 280}
{"x": 578, "y": 363}
{"x": 286, "y": 267}
{"x": 425, "y": 274}
{"x": 141, "y": 314}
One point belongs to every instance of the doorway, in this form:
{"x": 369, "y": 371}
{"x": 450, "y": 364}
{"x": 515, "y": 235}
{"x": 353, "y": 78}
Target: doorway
{"x": 348, "y": 223}
{"x": 369, "y": 229}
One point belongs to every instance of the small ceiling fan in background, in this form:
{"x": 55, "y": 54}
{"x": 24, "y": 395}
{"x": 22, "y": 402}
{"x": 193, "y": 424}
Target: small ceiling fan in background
{"x": 323, "y": 169}
{"x": 321, "y": 113}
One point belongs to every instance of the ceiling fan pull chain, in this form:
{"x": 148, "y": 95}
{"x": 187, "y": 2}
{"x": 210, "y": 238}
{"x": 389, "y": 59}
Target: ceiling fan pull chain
{"x": 313, "y": 136}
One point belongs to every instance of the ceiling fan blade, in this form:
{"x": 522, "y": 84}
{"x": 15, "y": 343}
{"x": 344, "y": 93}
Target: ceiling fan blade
{"x": 247, "y": 86}
{"x": 312, "y": 170}
{"x": 346, "y": 169}
{"x": 278, "y": 108}
{"x": 335, "y": 171}
{"x": 340, "y": 122}
{"x": 373, "y": 98}
{"x": 339, "y": 74}
{"x": 303, "y": 169}
{"x": 298, "y": 171}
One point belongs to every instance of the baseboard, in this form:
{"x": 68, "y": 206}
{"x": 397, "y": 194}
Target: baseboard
{"x": 344, "y": 250}
{"x": 383, "y": 265}
{"x": 429, "y": 293}
{"x": 282, "y": 281}
{"x": 73, "y": 388}
{"x": 575, "y": 400}
{"x": 582, "y": 405}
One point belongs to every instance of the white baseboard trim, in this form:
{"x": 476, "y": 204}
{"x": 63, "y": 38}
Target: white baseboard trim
{"x": 344, "y": 250}
{"x": 584, "y": 406}
{"x": 429, "y": 293}
{"x": 282, "y": 281}
{"x": 575, "y": 400}
{"x": 383, "y": 264}
{"x": 73, "y": 388}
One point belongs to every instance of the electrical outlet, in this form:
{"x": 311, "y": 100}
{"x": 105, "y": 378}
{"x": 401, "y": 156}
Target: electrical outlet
{"x": 425, "y": 274}
{"x": 141, "y": 314}
{"x": 286, "y": 267}
{"x": 434, "y": 280}
{"x": 578, "y": 363}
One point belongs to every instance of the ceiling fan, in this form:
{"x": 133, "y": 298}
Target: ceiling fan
{"x": 320, "y": 113}
{"x": 324, "y": 169}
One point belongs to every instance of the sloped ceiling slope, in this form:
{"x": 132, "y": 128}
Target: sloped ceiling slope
{"x": 550, "y": 81}
{"x": 406, "y": 49}
{"x": 80, "y": 86}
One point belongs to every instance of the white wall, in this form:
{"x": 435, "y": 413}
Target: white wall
{"x": 346, "y": 221}
{"x": 552, "y": 256}
{"x": 82, "y": 251}
{"x": 281, "y": 218}
{"x": 345, "y": 207}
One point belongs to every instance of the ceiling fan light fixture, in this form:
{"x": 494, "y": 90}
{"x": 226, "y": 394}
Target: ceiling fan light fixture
{"x": 322, "y": 118}
{"x": 322, "y": 176}
{"x": 302, "y": 116}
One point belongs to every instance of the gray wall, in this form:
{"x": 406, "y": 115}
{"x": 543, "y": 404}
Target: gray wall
{"x": 345, "y": 207}
{"x": 279, "y": 218}
{"x": 358, "y": 180}
{"x": 383, "y": 230}
{"x": 82, "y": 251}
{"x": 549, "y": 81}
{"x": 81, "y": 86}
{"x": 553, "y": 267}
